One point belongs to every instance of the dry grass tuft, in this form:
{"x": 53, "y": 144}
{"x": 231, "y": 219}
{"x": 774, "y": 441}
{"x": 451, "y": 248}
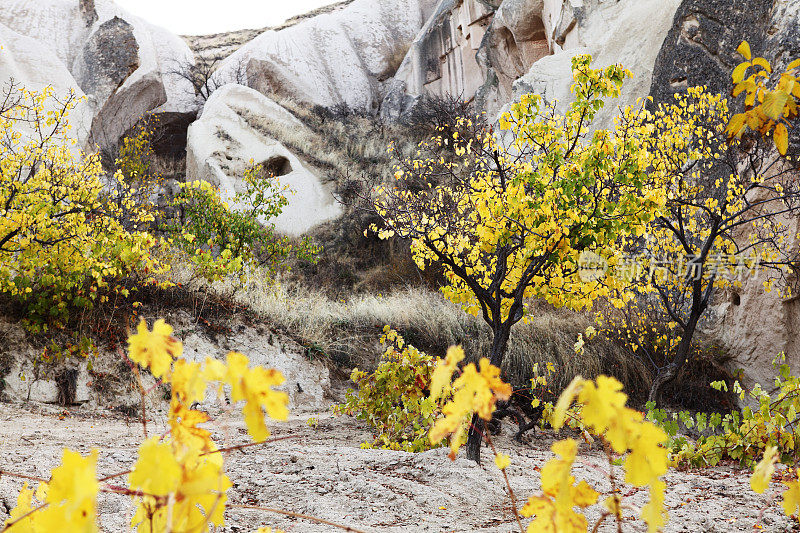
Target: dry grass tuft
{"x": 347, "y": 331}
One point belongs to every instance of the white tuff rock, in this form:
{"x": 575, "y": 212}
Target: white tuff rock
{"x": 233, "y": 131}
{"x": 122, "y": 62}
{"x": 333, "y": 58}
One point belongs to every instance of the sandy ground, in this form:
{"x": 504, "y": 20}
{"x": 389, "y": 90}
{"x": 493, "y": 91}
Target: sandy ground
{"x": 321, "y": 471}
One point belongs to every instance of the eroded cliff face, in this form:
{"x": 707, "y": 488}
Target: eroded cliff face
{"x": 493, "y": 51}
{"x": 442, "y": 59}
{"x": 341, "y": 57}
{"x": 235, "y": 132}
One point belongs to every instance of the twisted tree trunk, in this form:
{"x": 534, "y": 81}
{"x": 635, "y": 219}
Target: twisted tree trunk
{"x": 477, "y": 426}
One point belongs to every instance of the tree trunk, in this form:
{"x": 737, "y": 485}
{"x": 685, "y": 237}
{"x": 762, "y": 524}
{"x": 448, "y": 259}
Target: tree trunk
{"x": 477, "y": 426}
{"x": 681, "y": 356}
{"x": 476, "y": 429}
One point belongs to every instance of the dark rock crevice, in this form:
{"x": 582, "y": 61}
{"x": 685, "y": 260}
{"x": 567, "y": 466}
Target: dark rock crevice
{"x": 700, "y": 48}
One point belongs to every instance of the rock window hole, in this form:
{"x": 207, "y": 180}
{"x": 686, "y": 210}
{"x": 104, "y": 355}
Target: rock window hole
{"x": 277, "y": 166}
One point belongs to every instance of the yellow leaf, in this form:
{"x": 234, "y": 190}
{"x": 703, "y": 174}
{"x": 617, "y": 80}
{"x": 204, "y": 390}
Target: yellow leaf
{"x": 781, "y": 136}
{"x": 254, "y": 386}
{"x": 762, "y": 474}
{"x": 214, "y": 369}
{"x": 502, "y": 461}
{"x": 763, "y": 63}
{"x": 564, "y": 401}
{"x": 72, "y": 495}
{"x": 791, "y": 496}
{"x": 739, "y": 72}
{"x": 744, "y": 50}
{"x": 653, "y": 513}
{"x": 736, "y": 125}
{"x": 601, "y": 402}
{"x": 774, "y": 103}
{"x": 154, "y": 350}
{"x": 156, "y": 471}
{"x": 23, "y": 507}
{"x": 584, "y": 495}
{"x": 187, "y": 381}
{"x": 443, "y": 372}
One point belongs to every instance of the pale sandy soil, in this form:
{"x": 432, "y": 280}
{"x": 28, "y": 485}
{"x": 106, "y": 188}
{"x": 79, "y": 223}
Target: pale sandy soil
{"x": 322, "y": 472}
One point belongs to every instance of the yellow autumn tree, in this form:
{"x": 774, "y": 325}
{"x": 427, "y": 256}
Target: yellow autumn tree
{"x": 518, "y": 219}
{"x": 725, "y": 220}
{"x": 61, "y": 241}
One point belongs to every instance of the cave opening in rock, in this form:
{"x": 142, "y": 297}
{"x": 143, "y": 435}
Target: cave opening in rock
{"x": 517, "y": 48}
{"x": 511, "y": 50}
{"x": 277, "y": 166}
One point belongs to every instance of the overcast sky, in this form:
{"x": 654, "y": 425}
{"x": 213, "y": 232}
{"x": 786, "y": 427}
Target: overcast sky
{"x": 199, "y": 17}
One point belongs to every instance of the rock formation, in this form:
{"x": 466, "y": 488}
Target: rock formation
{"x": 234, "y": 132}
{"x": 494, "y": 53}
{"x": 442, "y": 58}
{"x": 30, "y": 64}
{"x": 341, "y": 57}
{"x": 121, "y": 62}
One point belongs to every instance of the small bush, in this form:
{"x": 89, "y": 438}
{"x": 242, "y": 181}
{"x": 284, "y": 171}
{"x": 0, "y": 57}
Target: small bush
{"x": 63, "y": 243}
{"x": 740, "y": 435}
{"x": 393, "y": 399}
{"x": 220, "y": 241}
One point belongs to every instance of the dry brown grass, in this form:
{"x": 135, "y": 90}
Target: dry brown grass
{"x": 347, "y": 331}
{"x": 342, "y": 144}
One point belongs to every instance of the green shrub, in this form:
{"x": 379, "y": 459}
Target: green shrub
{"x": 393, "y": 400}
{"x": 220, "y": 241}
{"x": 742, "y": 436}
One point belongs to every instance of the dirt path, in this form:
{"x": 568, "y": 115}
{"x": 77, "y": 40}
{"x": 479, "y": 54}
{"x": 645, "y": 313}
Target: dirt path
{"x": 322, "y": 472}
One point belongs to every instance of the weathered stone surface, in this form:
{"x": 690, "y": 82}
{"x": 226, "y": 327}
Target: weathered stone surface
{"x": 307, "y": 381}
{"x": 441, "y": 59}
{"x": 23, "y": 379}
{"x": 22, "y": 384}
{"x": 476, "y": 48}
{"x": 397, "y": 101}
{"x": 630, "y": 32}
{"x": 123, "y": 62}
{"x": 515, "y": 40}
{"x": 339, "y": 57}
{"x": 88, "y": 12}
{"x": 110, "y": 55}
{"x": 700, "y": 48}
{"x": 233, "y": 130}
{"x": 30, "y": 64}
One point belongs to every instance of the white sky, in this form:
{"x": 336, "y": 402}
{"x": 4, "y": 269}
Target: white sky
{"x": 200, "y": 17}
